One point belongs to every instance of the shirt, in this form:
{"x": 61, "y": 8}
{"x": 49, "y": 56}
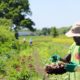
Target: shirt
{"x": 75, "y": 57}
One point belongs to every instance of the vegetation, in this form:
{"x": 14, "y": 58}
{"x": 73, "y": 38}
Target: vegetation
{"x": 54, "y": 32}
{"x": 17, "y": 11}
{"x": 18, "y": 59}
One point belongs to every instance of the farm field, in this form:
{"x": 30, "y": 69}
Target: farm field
{"x": 25, "y": 62}
{"x": 43, "y": 48}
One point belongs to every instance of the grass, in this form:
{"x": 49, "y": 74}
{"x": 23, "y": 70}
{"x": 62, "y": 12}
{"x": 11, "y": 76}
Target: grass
{"x": 26, "y": 60}
{"x": 45, "y": 47}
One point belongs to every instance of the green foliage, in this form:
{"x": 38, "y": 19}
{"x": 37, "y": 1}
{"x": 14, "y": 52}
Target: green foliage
{"x": 5, "y": 34}
{"x": 27, "y": 23}
{"x": 54, "y": 32}
{"x": 45, "y": 31}
{"x": 23, "y": 76}
{"x": 5, "y": 22}
{"x": 15, "y": 45}
{"x": 16, "y": 10}
{"x": 63, "y": 30}
{"x": 12, "y": 66}
{"x": 2, "y": 67}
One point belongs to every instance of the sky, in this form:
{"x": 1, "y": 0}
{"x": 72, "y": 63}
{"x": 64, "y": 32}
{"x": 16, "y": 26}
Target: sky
{"x": 59, "y": 13}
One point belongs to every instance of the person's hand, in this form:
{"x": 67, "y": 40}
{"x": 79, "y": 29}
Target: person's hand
{"x": 55, "y": 58}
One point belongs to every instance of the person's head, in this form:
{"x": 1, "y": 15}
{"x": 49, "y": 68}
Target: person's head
{"x": 75, "y": 33}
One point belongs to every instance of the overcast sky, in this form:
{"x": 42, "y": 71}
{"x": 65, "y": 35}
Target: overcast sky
{"x": 47, "y": 13}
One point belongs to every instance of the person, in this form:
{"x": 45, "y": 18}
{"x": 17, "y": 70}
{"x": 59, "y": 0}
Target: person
{"x": 61, "y": 65}
{"x": 74, "y": 32}
{"x": 24, "y": 40}
{"x": 16, "y": 35}
{"x": 30, "y": 41}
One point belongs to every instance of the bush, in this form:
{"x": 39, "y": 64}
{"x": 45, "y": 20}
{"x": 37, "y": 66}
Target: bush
{"x": 5, "y": 34}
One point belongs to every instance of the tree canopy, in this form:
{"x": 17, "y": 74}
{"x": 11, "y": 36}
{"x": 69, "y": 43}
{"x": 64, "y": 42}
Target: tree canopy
{"x": 16, "y": 10}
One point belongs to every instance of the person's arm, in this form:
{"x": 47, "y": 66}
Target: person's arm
{"x": 56, "y": 58}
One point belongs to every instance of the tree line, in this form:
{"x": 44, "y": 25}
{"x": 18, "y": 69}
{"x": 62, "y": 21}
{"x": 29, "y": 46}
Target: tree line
{"x": 53, "y": 31}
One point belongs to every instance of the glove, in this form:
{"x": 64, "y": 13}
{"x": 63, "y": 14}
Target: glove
{"x": 70, "y": 67}
{"x": 55, "y": 58}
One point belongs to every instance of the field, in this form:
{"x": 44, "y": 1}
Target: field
{"x": 42, "y": 49}
{"x": 20, "y": 61}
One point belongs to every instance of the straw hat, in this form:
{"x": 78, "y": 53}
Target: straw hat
{"x": 74, "y": 31}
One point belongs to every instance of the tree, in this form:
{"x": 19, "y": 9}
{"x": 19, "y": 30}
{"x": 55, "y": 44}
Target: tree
{"x": 5, "y": 22}
{"x": 54, "y": 32}
{"x": 64, "y": 29}
{"x": 48, "y": 31}
{"x": 17, "y": 10}
{"x": 45, "y": 31}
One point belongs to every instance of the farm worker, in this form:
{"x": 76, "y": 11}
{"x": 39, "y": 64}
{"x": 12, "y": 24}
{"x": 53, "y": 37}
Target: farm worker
{"x": 74, "y": 32}
{"x": 16, "y": 35}
{"x": 24, "y": 40}
{"x": 30, "y": 41}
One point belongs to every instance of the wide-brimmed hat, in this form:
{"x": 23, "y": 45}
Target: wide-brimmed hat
{"x": 74, "y": 31}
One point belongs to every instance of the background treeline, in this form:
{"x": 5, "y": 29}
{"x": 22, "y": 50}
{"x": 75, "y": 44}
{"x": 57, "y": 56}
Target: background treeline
{"x": 53, "y": 31}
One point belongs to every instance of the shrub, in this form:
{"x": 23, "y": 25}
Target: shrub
{"x": 5, "y": 34}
